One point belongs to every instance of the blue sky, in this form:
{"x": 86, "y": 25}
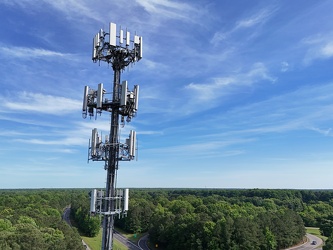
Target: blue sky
{"x": 233, "y": 94}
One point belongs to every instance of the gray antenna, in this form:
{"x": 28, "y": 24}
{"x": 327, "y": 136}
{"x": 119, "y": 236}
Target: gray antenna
{"x": 118, "y": 50}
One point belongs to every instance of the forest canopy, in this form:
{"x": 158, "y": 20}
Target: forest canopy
{"x": 227, "y": 219}
{"x": 32, "y": 219}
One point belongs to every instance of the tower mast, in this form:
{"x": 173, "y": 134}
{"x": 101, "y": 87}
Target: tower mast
{"x": 119, "y": 51}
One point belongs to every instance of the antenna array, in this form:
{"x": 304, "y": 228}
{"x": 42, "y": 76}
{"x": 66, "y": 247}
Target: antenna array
{"x": 106, "y": 46}
{"x": 99, "y": 150}
{"x": 97, "y": 200}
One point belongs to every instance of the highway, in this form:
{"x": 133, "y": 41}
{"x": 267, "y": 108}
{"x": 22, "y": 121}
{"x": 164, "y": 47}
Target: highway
{"x": 65, "y": 216}
{"x": 308, "y": 245}
{"x": 143, "y": 243}
{"x": 123, "y": 240}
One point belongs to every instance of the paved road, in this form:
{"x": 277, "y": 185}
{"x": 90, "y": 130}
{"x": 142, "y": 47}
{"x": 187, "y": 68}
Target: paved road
{"x": 308, "y": 245}
{"x": 143, "y": 243}
{"x": 130, "y": 245}
{"x": 65, "y": 216}
{"x": 122, "y": 239}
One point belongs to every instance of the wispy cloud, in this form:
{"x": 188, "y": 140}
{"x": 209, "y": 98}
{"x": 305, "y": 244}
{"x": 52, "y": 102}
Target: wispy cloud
{"x": 64, "y": 142}
{"x": 327, "y": 50}
{"x": 76, "y": 8}
{"x": 308, "y": 108}
{"x": 70, "y": 8}
{"x": 9, "y": 116}
{"x": 257, "y": 19}
{"x": 196, "y": 97}
{"x": 208, "y": 93}
{"x": 40, "y": 103}
{"x": 168, "y": 9}
{"x": 31, "y": 53}
{"x": 325, "y": 132}
{"x": 318, "y": 47}
{"x": 285, "y": 66}
{"x": 202, "y": 149}
{"x": 62, "y": 137}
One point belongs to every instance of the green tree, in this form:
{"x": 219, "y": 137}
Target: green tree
{"x": 329, "y": 243}
{"x": 181, "y": 207}
{"x": 6, "y": 234}
{"x": 326, "y": 227}
{"x": 245, "y": 235}
{"x": 224, "y": 231}
{"x": 270, "y": 240}
{"x": 54, "y": 239}
{"x": 29, "y": 237}
{"x": 162, "y": 223}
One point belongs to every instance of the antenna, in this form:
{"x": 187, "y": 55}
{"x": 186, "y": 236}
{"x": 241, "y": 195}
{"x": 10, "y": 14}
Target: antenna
{"x": 94, "y": 52}
{"x": 99, "y": 96}
{"x": 140, "y": 51}
{"x": 126, "y": 198}
{"x": 85, "y": 101}
{"x": 94, "y": 138}
{"x": 121, "y": 36}
{"x": 93, "y": 197}
{"x": 123, "y": 103}
{"x": 112, "y": 34}
{"x": 132, "y": 142}
{"x": 136, "y": 96}
{"x": 123, "y": 98}
{"x": 136, "y": 39}
{"x": 127, "y": 38}
{"x": 98, "y": 42}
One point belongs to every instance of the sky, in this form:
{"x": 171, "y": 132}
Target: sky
{"x": 233, "y": 94}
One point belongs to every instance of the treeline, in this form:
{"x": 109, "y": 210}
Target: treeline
{"x": 32, "y": 219}
{"x": 228, "y": 218}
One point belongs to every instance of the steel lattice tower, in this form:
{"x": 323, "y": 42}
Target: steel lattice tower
{"x": 119, "y": 51}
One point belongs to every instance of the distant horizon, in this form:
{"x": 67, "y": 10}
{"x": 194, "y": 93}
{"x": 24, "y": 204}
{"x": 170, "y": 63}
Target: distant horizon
{"x": 174, "y": 188}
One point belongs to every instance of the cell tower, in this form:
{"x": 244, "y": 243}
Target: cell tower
{"x": 118, "y": 50}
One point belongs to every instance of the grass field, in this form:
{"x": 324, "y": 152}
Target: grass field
{"x": 95, "y": 243}
{"x": 315, "y": 231}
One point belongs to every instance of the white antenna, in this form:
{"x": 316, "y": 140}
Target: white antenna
{"x": 93, "y": 197}
{"x": 98, "y": 41}
{"x": 113, "y": 34}
{"x": 121, "y": 36}
{"x": 127, "y": 38}
{"x": 132, "y": 143}
{"x": 126, "y": 197}
{"x": 136, "y": 39}
{"x": 99, "y": 96}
